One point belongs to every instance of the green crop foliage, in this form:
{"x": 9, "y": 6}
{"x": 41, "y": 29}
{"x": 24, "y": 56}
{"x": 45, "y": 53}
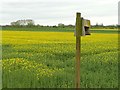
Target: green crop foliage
{"x": 47, "y": 60}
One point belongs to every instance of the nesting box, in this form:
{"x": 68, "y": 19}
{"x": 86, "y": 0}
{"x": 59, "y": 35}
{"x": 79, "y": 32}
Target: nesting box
{"x": 85, "y": 27}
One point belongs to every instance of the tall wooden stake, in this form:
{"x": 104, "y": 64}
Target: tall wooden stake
{"x": 78, "y": 47}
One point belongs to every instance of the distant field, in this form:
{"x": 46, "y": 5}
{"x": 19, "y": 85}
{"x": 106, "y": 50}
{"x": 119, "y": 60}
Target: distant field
{"x": 51, "y": 29}
{"x": 47, "y": 59}
{"x": 58, "y": 29}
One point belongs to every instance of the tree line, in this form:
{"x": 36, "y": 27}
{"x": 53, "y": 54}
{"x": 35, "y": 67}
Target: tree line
{"x": 31, "y": 23}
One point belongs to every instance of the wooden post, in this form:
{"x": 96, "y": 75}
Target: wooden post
{"x": 78, "y": 47}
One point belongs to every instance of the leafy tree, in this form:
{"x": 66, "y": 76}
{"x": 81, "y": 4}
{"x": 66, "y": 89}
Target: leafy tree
{"x": 27, "y": 22}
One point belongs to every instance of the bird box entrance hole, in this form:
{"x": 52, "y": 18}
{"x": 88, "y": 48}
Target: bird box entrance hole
{"x": 87, "y": 31}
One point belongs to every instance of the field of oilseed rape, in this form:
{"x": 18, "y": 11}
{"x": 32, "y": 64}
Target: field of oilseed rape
{"x": 47, "y": 60}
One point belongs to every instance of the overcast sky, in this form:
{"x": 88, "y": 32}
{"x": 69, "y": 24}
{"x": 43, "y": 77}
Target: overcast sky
{"x": 52, "y": 12}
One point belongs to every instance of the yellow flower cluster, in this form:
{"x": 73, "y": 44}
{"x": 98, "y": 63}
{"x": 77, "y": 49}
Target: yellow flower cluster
{"x": 38, "y": 69}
